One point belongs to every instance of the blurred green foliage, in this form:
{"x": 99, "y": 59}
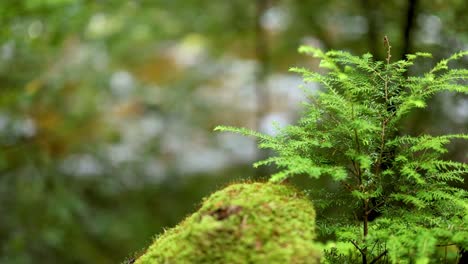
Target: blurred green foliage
{"x": 105, "y": 104}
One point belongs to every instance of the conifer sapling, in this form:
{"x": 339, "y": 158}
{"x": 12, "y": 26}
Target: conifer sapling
{"x": 349, "y": 132}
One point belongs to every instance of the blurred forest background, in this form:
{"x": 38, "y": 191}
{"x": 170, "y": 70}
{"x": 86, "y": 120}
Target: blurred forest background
{"x": 107, "y": 107}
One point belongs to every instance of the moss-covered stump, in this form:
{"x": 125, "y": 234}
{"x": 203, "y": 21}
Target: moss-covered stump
{"x": 243, "y": 223}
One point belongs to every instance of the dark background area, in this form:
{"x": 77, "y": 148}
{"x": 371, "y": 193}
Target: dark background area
{"x": 107, "y": 107}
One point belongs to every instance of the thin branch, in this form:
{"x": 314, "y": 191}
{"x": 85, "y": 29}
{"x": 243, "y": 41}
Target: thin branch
{"x": 347, "y": 186}
{"x": 445, "y": 245}
{"x": 378, "y": 257}
{"x": 382, "y": 145}
{"x": 358, "y": 146}
{"x": 388, "y": 47}
{"x": 375, "y": 244}
{"x": 356, "y": 172}
{"x": 384, "y": 122}
{"x": 375, "y": 206}
{"x": 357, "y": 247}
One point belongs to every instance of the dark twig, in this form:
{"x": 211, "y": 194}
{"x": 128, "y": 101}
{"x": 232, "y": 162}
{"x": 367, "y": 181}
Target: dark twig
{"x": 357, "y": 247}
{"x": 378, "y": 257}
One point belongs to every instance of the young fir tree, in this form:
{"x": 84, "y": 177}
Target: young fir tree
{"x": 349, "y": 132}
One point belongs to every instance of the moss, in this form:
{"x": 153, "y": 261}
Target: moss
{"x": 243, "y": 223}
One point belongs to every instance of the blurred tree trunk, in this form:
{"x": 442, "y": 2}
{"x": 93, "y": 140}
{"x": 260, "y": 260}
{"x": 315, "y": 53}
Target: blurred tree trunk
{"x": 370, "y": 8}
{"x": 313, "y": 22}
{"x": 411, "y": 15}
{"x": 261, "y": 90}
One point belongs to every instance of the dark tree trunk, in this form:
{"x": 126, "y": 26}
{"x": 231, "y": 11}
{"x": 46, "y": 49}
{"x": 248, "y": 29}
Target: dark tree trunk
{"x": 408, "y": 29}
{"x": 463, "y": 256}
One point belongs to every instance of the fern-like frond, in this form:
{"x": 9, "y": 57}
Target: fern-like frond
{"x": 243, "y": 131}
{"x": 443, "y": 64}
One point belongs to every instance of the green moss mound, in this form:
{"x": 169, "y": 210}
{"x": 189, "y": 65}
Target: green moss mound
{"x": 243, "y": 223}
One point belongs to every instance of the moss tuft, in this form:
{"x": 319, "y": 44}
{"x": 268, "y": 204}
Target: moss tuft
{"x": 243, "y": 223}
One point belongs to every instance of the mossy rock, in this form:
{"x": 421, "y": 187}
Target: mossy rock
{"x": 243, "y": 223}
